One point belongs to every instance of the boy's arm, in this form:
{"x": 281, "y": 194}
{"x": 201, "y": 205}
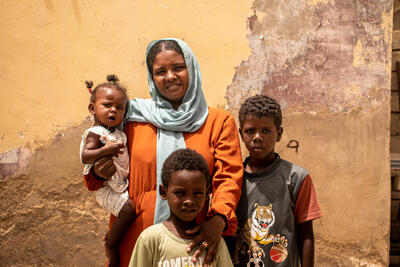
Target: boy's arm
{"x": 306, "y": 210}
{"x": 306, "y": 244}
{"x": 94, "y": 149}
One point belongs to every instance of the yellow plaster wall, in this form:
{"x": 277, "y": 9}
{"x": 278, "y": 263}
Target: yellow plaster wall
{"x": 49, "y": 48}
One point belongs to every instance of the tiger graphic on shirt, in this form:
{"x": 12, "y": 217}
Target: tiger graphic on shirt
{"x": 255, "y": 231}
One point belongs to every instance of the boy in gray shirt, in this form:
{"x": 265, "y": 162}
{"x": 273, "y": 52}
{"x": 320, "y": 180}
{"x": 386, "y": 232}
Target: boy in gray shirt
{"x": 278, "y": 201}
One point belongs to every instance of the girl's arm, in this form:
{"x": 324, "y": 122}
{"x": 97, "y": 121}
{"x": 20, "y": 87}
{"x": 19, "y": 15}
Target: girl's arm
{"x": 94, "y": 149}
{"x": 306, "y": 244}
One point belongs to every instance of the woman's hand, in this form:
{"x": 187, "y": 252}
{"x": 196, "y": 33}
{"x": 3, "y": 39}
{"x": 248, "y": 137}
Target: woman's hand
{"x": 104, "y": 167}
{"x": 209, "y": 238}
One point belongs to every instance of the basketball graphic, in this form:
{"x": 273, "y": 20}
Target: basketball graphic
{"x": 278, "y": 253}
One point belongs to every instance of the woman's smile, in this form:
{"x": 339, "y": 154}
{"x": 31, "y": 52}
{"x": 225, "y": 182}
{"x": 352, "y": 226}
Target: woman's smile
{"x": 170, "y": 76}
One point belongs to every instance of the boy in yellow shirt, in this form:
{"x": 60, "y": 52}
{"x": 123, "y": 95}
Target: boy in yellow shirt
{"x": 185, "y": 180}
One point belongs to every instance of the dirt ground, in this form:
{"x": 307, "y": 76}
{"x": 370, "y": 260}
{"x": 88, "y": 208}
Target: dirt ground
{"x": 48, "y": 217}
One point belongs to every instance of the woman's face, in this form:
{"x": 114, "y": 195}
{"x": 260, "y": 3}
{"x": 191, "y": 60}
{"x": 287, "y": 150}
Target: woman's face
{"x": 170, "y": 76}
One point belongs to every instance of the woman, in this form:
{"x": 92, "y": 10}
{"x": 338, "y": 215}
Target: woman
{"x": 177, "y": 116}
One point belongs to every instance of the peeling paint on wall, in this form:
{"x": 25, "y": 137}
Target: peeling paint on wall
{"x": 313, "y": 59}
{"x": 328, "y": 65}
{"x": 14, "y": 161}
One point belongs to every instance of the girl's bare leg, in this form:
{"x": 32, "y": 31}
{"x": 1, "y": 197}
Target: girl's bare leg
{"x": 112, "y": 240}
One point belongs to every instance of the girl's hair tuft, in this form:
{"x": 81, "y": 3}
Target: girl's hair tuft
{"x": 112, "y": 78}
{"x": 112, "y": 82}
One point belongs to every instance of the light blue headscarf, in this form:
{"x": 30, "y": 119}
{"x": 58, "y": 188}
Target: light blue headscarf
{"x": 170, "y": 123}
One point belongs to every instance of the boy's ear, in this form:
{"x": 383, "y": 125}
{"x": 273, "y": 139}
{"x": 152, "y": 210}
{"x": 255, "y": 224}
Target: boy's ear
{"x": 91, "y": 108}
{"x": 280, "y": 131}
{"x": 163, "y": 192}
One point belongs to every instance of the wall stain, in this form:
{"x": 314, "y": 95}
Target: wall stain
{"x": 49, "y": 6}
{"x": 77, "y": 12}
{"x": 350, "y": 254}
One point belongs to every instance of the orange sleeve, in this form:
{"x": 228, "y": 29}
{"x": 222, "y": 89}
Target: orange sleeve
{"x": 307, "y": 207}
{"x": 228, "y": 175}
{"x": 92, "y": 183}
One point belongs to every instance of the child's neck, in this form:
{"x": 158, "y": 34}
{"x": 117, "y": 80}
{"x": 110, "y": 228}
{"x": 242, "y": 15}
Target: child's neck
{"x": 111, "y": 129}
{"x": 255, "y": 165}
{"x": 179, "y": 227}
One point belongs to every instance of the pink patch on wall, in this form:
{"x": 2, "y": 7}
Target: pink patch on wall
{"x": 13, "y": 161}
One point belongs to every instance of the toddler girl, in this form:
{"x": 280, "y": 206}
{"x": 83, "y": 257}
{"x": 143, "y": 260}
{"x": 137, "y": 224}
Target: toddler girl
{"x": 108, "y": 104}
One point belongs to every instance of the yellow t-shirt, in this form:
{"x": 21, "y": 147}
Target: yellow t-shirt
{"x": 158, "y": 247}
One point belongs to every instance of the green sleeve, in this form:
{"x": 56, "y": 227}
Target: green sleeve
{"x": 141, "y": 255}
{"x": 223, "y": 257}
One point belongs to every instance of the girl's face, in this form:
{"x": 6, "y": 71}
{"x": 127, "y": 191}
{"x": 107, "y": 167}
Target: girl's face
{"x": 170, "y": 76}
{"x": 109, "y": 107}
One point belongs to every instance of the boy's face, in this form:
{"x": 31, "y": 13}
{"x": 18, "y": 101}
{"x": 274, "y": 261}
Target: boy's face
{"x": 260, "y": 134}
{"x": 186, "y": 194}
{"x": 109, "y": 107}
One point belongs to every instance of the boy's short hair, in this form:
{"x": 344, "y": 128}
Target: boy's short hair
{"x": 184, "y": 159}
{"x": 261, "y": 106}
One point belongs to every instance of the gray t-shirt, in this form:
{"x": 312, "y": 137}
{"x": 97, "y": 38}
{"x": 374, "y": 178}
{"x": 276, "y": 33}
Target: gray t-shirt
{"x": 267, "y": 230}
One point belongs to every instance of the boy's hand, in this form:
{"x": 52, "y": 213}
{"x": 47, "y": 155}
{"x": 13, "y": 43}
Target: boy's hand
{"x": 209, "y": 238}
{"x": 113, "y": 148}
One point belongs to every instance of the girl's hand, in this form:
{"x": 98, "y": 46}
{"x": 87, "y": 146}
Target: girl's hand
{"x": 209, "y": 238}
{"x": 104, "y": 167}
{"x": 112, "y": 148}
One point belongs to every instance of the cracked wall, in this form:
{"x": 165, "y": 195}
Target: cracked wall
{"x": 328, "y": 63}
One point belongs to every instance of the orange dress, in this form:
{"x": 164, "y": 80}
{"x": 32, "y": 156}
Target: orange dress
{"x": 217, "y": 141}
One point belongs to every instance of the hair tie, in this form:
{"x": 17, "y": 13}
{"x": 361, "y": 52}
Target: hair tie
{"x": 89, "y": 85}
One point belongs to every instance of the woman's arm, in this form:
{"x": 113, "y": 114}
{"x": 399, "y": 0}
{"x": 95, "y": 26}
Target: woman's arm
{"x": 226, "y": 186}
{"x": 102, "y": 170}
{"x": 228, "y": 175}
